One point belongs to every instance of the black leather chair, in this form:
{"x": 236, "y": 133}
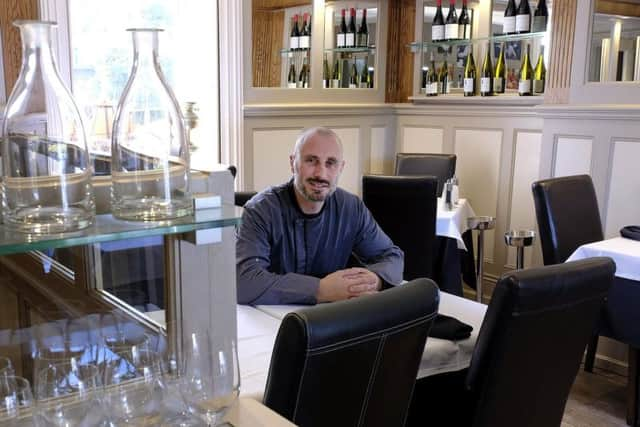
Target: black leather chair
{"x": 354, "y": 362}
{"x": 442, "y": 166}
{"x": 531, "y": 342}
{"x": 240, "y": 197}
{"x": 405, "y": 207}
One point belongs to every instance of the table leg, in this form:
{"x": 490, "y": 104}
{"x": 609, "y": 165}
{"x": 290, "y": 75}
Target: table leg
{"x": 632, "y": 387}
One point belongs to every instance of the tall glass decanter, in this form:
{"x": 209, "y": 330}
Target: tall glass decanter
{"x": 46, "y": 173}
{"x": 150, "y": 155}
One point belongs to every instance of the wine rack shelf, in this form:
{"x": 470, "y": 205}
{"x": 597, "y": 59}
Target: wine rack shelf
{"x": 417, "y": 46}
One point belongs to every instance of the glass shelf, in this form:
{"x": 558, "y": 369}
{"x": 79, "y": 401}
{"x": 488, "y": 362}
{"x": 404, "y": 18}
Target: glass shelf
{"x": 299, "y": 51}
{"x": 417, "y": 47}
{"x": 369, "y": 49}
{"x": 107, "y": 228}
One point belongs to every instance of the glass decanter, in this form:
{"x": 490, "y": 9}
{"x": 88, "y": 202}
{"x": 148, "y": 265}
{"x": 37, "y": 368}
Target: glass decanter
{"x": 150, "y": 155}
{"x": 46, "y": 178}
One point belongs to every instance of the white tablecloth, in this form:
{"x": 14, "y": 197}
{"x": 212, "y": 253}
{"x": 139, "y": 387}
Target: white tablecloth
{"x": 625, "y": 253}
{"x": 452, "y": 223}
{"x": 257, "y": 329}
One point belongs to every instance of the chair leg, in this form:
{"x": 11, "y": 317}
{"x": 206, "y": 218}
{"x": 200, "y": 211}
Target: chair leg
{"x": 633, "y": 381}
{"x": 591, "y": 353}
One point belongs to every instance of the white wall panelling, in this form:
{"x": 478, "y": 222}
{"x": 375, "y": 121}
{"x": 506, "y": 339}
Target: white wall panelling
{"x": 379, "y": 153}
{"x": 478, "y": 169}
{"x": 572, "y": 156}
{"x": 421, "y": 140}
{"x": 271, "y": 156}
{"x": 351, "y": 176}
{"x": 623, "y": 204}
{"x": 526, "y": 169}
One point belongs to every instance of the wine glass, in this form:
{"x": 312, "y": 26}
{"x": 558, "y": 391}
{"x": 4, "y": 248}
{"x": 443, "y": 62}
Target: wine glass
{"x": 6, "y": 367}
{"x": 67, "y": 395}
{"x": 16, "y": 401}
{"x": 211, "y": 377}
{"x": 133, "y": 387}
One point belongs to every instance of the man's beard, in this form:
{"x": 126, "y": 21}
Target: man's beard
{"x": 310, "y": 196}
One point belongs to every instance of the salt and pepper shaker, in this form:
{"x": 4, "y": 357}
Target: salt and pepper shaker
{"x": 448, "y": 193}
{"x": 455, "y": 192}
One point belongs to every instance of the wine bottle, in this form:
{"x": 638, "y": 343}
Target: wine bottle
{"x": 500, "y": 75}
{"x": 294, "y": 39}
{"x": 451, "y": 25}
{"x": 509, "y": 23}
{"x": 539, "y": 74}
{"x": 364, "y": 77}
{"x": 470, "y": 76}
{"x": 303, "y": 78}
{"x": 350, "y": 40}
{"x": 432, "y": 79}
{"x": 305, "y": 37}
{"x": 337, "y": 75}
{"x": 326, "y": 74}
{"x": 342, "y": 32}
{"x": 291, "y": 77}
{"x": 523, "y": 17}
{"x": 464, "y": 23}
{"x": 437, "y": 26}
{"x": 423, "y": 85}
{"x": 526, "y": 76}
{"x": 370, "y": 77}
{"x": 444, "y": 80}
{"x": 486, "y": 74}
{"x": 363, "y": 31}
{"x": 540, "y": 17}
{"x": 353, "y": 77}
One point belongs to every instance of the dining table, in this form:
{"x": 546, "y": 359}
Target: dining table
{"x": 258, "y": 327}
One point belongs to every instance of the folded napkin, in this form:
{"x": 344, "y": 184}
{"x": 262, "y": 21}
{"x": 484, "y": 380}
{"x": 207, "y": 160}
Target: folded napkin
{"x": 631, "y": 232}
{"x": 449, "y": 328}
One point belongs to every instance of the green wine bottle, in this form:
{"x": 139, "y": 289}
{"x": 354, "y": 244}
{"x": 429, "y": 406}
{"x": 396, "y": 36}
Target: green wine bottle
{"x": 500, "y": 75}
{"x": 353, "y": 77}
{"x": 326, "y": 74}
{"x": 486, "y": 74}
{"x": 432, "y": 79}
{"x": 525, "y": 84}
{"x": 364, "y": 77}
{"x": 337, "y": 75}
{"x": 291, "y": 77}
{"x": 470, "y": 76}
{"x": 443, "y": 79}
{"x": 539, "y": 74}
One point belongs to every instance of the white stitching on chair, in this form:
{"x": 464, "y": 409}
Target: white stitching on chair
{"x": 376, "y": 365}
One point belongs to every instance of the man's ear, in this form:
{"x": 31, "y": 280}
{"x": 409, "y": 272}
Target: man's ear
{"x": 292, "y": 159}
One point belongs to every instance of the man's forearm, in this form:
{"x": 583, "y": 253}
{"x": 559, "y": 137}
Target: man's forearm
{"x": 258, "y": 286}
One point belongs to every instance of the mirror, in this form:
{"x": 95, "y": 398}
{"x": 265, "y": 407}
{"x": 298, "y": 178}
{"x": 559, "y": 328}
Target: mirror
{"x": 615, "y": 40}
{"x": 349, "y": 58}
{"x": 281, "y": 43}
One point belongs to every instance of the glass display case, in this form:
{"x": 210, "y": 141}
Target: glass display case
{"x": 614, "y": 54}
{"x": 499, "y": 54}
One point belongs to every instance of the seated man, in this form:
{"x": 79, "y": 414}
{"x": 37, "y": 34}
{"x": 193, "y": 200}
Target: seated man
{"x": 296, "y": 239}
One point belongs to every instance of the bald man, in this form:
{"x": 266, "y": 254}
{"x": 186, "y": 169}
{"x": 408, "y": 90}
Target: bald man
{"x": 296, "y": 239}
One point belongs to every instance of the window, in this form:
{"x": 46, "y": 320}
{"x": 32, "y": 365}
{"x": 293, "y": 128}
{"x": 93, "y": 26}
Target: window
{"x": 101, "y": 55}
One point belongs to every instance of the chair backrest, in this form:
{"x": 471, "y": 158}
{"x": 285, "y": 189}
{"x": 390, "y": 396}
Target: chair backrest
{"x": 532, "y": 339}
{"x": 354, "y": 362}
{"x": 568, "y": 216}
{"x": 442, "y": 166}
{"x": 405, "y": 208}
{"x": 242, "y": 197}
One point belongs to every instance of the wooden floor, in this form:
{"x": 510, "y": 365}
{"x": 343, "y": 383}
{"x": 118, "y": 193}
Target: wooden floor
{"x": 597, "y": 399}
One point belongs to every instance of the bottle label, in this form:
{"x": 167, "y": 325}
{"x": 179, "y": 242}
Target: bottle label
{"x": 469, "y": 85}
{"x": 326, "y": 83}
{"x": 432, "y": 88}
{"x": 364, "y": 85}
{"x": 524, "y": 87}
{"x": 451, "y": 31}
{"x": 299, "y": 84}
{"x": 350, "y": 40}
{"x": 340, "y": 40}
{"x": 498, "y": 84}
{"x": 522, "y": 23}
{"x": 538, "y": 86}
{"x": 353, "y": 86}
{"x": 304, "y": 42}
{"x": 437, "y": 33}
{"x": 294, "y": 42}
{"x": 539, "y": 24}
{"x": 485, "y": 84}
{"x": 363, "y": 40}
{"x": 335, "y": 83}
{"x": 464, "y": 31}
{"x": 291, "y": 85}
{"x": 509, "y": 25}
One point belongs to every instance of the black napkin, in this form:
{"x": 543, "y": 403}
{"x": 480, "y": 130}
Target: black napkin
{"x": 449, "y": 328}
{"x": 631, "y": 232}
